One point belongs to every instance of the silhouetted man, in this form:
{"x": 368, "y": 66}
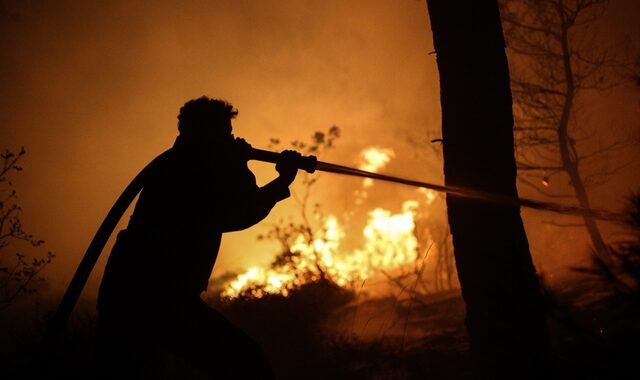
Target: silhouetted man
{"x": 150, "y": 292}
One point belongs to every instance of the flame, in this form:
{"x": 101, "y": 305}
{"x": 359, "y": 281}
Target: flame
{"x": 389, "y": 243}
{"x": 373, "y": 159}
{"x": 429, "y": 195}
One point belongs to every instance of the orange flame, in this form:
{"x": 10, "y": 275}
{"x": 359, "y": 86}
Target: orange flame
{"x": 389, "y": 243}
{"x": 373, "y": 159}
{"x": 429, "y": 195}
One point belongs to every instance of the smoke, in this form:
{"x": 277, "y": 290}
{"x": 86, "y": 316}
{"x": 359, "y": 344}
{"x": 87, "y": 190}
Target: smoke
{"x": 92, "y": 90}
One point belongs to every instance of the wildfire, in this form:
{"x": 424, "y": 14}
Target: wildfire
{"x": 373, "y": 159}
{"x": 429, "y": 195}
{"x": 389, "y": 243}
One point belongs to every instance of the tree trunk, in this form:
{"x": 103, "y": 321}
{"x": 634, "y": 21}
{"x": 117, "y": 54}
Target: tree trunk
{"x": 505, "y": 316}
{"x": 569, "y": 156}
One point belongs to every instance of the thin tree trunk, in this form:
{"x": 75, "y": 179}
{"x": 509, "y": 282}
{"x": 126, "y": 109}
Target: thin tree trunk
{"x": 568, "y": 155}
{"x": 505, "y": 313}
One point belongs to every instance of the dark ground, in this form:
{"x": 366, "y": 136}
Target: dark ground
{"x": 325, "y": 333}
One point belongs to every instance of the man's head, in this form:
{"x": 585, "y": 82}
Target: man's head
{"x": 206, "y": 118}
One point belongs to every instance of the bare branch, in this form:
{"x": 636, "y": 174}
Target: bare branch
{"x": 522, "y": 166}
{"x": 20, "y": 277}
{"x": 564, "y": 225}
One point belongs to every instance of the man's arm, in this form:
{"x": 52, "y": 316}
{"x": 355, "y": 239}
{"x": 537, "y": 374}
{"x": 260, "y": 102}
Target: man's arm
{"x": 259, "y": 201}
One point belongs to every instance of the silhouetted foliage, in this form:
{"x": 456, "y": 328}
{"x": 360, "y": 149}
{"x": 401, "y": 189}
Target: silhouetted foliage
{"x": 555, "y": 60}
{"x": 308, "y": 222}
{"x": 19, "y": 272}
{"x": 596, "y": 320}
{"x": 290, "y": 329}
{"x": 297, "y": 336}
{"x": 618, "y": 275}
{"x": 434, "y": 239}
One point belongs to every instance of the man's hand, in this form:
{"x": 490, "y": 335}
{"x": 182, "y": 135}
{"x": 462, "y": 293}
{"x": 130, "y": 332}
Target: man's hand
{"x": 287, "y": 165}
{"x": 242, "y": 148}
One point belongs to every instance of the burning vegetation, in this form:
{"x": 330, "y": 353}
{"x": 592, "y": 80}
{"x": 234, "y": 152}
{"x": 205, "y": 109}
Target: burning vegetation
{"x": 390, "y": 241}
{"x": 346, "y": 283}
{"x": 389, "y": 244}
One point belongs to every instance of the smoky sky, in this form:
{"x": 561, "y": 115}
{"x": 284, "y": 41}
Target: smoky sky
{"x": 91, "y": 89}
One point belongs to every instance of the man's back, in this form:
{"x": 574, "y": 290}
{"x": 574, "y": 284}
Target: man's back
{"x": 161, "y": 263}
{"x": 172, "y": 240}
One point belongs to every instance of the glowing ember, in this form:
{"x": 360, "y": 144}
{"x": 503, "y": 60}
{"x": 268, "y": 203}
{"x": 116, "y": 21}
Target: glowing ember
{"x": 389, "y": 243}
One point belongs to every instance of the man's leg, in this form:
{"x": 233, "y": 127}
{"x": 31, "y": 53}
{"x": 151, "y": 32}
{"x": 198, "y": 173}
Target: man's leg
{"x": 210, "y": 342}
{"x": 123, "y": 347}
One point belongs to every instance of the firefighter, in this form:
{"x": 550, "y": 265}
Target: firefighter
{"x": 149, "y": 297}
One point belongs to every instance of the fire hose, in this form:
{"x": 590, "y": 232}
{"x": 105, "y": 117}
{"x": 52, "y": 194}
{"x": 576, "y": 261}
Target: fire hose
{"x": 309, "y": 164}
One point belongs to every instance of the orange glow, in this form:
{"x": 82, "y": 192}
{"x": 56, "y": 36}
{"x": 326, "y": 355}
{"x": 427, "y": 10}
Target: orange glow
{"x": 429, "y": 195}
{"x": 113, "y": 94}
{"x": 389, "y": 244}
